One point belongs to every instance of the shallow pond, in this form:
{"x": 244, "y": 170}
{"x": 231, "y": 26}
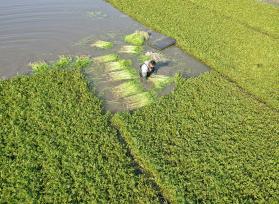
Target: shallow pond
{"x": 44, "y": 29}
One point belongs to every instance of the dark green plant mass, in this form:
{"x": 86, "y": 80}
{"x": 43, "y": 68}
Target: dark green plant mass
{"x": 207, "y": 143}
{"x": 58, "y": 147}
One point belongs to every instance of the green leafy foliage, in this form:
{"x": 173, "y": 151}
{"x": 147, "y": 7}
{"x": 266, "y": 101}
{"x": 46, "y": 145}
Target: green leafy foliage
{"x": 57, "y": 145}
{"x": 39, "y": 67}
{"x": 63, "y": 62}
{"x": 207, "y": 143}
{"x": 228, "y": 39}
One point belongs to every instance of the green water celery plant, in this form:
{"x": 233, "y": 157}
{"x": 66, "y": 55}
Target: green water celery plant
{"x": 102, "y": 44}
{"x": 207, "y": 142}
{"x": 128, "y": 88}
{"x": 118, "y": 65}
{"x": 57, "y": 146}
{"x": 63, "y": 62}
{"x": 106, "y": 58}
{"x": 160, "y": 81}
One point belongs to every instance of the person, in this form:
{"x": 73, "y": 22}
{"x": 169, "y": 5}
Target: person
{"x": 147, "y": 68}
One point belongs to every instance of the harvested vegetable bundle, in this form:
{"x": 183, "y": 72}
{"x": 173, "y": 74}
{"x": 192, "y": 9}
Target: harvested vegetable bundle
{"x": 131, "y": 49}
{"x": 137, "y": 38}
{"x": 106, "y": 58}
{"x": 122, "y": 75}
{"x": 102, "y": 44}
{"x": 118, "y": 65}
{"x": 139, "y": 100}
{"x": 127, "y": 89}
{"x": 160, "y": 81}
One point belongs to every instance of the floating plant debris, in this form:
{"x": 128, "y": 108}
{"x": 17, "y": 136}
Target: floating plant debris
{"x": 137, "y": 38}
{"x": 97, "y": 14}
{"x": 106, "y": 58}
{"x": 131, "y": 49}
{"x": 102, "y": 44}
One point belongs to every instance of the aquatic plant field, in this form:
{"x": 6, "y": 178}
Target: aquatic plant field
{"x": 212, "y": 138}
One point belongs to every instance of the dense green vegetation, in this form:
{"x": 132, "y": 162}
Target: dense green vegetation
{"x": 58, "y": 147}
{"x": 261, "y": 18}
{"x": 207, "y": 142}
{"x": 221, "y": 39}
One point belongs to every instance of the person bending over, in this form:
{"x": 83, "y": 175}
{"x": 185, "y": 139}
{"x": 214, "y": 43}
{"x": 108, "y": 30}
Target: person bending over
{"x": 147, "y": 68}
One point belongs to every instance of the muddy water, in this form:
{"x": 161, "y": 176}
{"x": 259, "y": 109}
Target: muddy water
{"x": 44, "y": 29}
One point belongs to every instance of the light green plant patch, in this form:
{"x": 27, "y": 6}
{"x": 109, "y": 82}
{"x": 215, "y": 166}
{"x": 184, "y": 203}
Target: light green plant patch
{"x": 131, "y": 49}
{"x": 106, "y": 58}
{"x": 118, "y": 65}
{"x": 127, "y": 89}
{"x": 144, "y": 58}
{"x": 102, "y": 44}
{"x": 39, "y": 67}
{"x": 122, "y": 75}
{"x": 160, "y": 81}
{"x": 139, "y": 100}
{"x": 82, "y": 62}
{"x": 63, "y": 62}
{"x": 137, "y": 38}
